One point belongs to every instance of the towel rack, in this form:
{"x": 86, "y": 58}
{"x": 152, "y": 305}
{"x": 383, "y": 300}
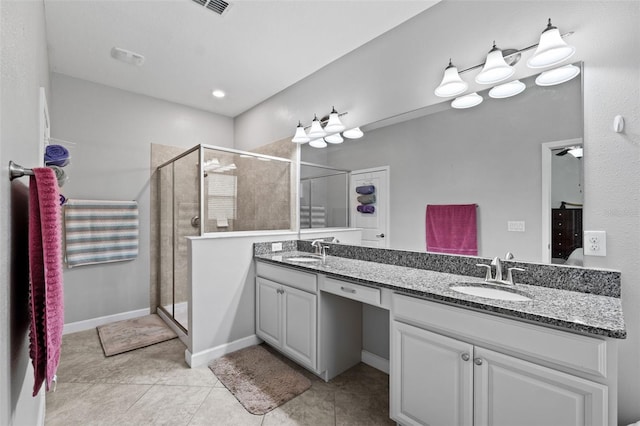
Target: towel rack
{"x": 16, "y": 171}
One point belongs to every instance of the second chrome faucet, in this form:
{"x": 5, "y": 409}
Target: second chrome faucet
{"x": 497, "y": 263}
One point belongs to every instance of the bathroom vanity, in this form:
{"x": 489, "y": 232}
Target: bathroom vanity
{"x": 455, "y": 358}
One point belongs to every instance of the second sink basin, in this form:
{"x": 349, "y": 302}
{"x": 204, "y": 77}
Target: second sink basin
{"x": 490, "y": 292}
{"x": 305, "y": 259}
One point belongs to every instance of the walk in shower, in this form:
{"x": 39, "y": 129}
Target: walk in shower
{"x": 207, "y": 190}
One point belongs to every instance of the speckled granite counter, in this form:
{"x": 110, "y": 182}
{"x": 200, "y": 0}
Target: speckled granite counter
{"x": 575, "y": 311}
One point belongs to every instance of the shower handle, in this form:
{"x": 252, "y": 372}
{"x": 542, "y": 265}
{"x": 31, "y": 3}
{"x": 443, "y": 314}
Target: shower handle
{"x": 195, "y": 221}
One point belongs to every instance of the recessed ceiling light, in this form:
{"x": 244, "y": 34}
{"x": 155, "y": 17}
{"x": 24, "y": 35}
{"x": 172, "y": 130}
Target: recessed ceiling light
{"x": 218, "y": 93}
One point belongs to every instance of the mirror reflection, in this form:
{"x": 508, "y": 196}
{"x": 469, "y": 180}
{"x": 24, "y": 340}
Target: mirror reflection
{"x": 490, "y": 155}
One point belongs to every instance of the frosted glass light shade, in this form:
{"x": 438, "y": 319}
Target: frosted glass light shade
{"x": 316, "y": 130}
{"x": 354, "y": 133}
{"x": 576, "y": 152}
{"x": 495, "y": 68}
{"x": 507, "y": 90}
{"x": 335, "y": 138}
{"x": 334, "y": 124}
{"x": 467, "y": 101}
{"x": 301, "y": 135}
{"x": 452, "y": 84}
{"x": 318, "y": 143}
{"x": 551, "y": 50}
{"x": 557, "y": 75}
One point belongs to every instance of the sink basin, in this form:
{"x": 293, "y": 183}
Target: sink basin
{"x": 304, "y": 259}
{"x": 490, "y": 292}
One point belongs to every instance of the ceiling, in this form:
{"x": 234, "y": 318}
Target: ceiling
{"x": 253, "y": 51}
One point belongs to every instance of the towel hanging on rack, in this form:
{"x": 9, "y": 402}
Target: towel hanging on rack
{"x": 98, "y": 231}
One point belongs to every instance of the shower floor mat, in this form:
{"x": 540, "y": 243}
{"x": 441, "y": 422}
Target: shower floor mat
{"x": 128, "y": 335}
{"x": 259, "y": 378}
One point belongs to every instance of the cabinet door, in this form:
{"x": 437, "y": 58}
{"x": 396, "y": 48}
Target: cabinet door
{"x": 513, "y": 392}
{"x": 268, "y": 311}
{"x": 299, "y": 331}
{"x": 431, "y": 378}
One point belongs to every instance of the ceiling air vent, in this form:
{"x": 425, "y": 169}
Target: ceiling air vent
{"x": 218, "y": 6}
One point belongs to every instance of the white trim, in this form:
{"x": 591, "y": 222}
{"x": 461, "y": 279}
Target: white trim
{"x": 387, "y": 171}
{"x": 546, "y": 191}
{"x": 172, "y": 325}
{"x": 204, "y": 357}
{"x": 42, "y": 406}
{"x": 375, "y": 361}
{"x": 73, "y": 327}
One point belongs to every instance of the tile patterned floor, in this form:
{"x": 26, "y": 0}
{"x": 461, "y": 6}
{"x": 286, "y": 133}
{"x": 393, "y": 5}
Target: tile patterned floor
{"x": 154, "y": 386}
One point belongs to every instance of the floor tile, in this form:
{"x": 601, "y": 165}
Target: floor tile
{"x": 312, "y": 407}
{"x": 222, "y": 408}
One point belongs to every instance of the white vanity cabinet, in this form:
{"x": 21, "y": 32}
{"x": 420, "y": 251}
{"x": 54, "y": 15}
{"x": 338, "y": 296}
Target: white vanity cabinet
{"x": 451, "y": 366}
{"x": 286, "y": 306}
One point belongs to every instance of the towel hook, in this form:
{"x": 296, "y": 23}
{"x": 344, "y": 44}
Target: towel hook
{"x": 16, "y": 171}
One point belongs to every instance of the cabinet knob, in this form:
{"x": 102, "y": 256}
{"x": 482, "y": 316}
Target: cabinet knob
{"x": 477, "y": 361}
{"x": 465, "y": 357}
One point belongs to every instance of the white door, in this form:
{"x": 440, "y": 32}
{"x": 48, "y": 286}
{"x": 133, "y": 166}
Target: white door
{"x": 431, "y": 380}
{"x": 268, "y": 311}
{"x": 299, "y": 317}
{"x": 513, "y": 392}
{"x": 375, "y": 226}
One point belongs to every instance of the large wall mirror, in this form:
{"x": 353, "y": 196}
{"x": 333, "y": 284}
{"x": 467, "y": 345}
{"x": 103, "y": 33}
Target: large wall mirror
{"x": 490, "y": 155}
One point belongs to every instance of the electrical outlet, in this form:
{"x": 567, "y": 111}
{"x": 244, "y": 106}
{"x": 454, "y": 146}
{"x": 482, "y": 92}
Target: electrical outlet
{"x": 276, "y": 247}
{"x": 515, "y": 226}
{"x": 595, "y": 243}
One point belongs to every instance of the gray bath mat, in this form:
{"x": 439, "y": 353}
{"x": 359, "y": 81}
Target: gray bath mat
{"x": 259, "y": 379}
{"x": 135, "y": 333}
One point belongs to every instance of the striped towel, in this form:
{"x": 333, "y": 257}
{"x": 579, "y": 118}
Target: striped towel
{"x": 99, "y": 231}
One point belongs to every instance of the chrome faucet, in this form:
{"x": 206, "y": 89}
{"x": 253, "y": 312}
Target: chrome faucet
{"x": 497, "y": 279}
{"x": 318, "y": 246}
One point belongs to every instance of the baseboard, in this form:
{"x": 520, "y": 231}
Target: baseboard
{"x": 204, "y": 357}
{"x": 375, "y": 361}
{"x": 73, "y": 327}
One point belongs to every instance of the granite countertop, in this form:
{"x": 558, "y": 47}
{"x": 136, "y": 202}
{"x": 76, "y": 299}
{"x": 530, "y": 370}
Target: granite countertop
{"x": 577, "y": 312}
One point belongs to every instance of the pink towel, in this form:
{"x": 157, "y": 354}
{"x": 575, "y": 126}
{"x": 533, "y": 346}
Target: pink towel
{"x": 45, "y": 267}
{"x": 452, "y": 229}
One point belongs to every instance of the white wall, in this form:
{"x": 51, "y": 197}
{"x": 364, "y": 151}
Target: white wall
{"x": 113, "y": 131}
{"x": 24, "y": 69}
{"x": 398, "y": 71}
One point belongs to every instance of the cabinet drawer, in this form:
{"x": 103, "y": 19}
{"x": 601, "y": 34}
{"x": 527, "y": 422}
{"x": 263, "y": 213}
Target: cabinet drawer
{"x": 291, "y": 277}
{"x": 574, "y": 351}
{"x": 349, "y": 290}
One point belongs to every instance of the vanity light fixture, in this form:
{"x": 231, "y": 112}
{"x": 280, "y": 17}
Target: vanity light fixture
{"x": 498, "y": 66}
{"x": 507, "y": 90}
{"x": 301, "y": 135}
{"x": 334, "y": 124}
{"x": 495, "y": 68}
{"x": 354, "y": 133}
{"x": 318, "y": 143}
{"x": 467, "y": 101}
{"x": 316, "y": 130}
{"x": 557, "y": 75}
{"x": 334, "y": 139}
{"x": 327, "y": 129}
{"x": 577, "y": 152}
{"x": 551, "y": 50}
{"x": 452, "y": 84}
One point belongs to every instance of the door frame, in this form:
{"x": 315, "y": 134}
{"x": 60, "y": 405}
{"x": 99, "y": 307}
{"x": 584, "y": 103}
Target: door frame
{"x": 386, "y": 197}
{"x": 547, "y": 155}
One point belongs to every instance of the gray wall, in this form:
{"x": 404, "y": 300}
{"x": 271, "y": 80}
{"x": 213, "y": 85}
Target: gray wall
{"x": 398, "y": 71}
{"x": 113, "y": 131}
{"x": 488, "y": 155}
{"x": 24, "y": 70}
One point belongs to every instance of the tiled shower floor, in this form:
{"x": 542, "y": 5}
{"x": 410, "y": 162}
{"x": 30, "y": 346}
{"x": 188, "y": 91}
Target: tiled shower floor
{"x": 154, "y": 386}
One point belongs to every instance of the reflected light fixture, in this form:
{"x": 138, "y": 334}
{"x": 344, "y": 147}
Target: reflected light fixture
{"x": 334, "y": 139}
{"x": 318, "y": 143}
{"x": 316, "y": 130}
{"x": 354, "y": 133}
{"x": 557, "y": 75}
{"x": 301, "y": 135}
{"x": 551, "y": 50}
{"x": 451, "y": 84}
{"x": 507, "y": 90}
{"x": 576, "y": 152}
{"x": 334, "y": 124}
{"x": 467, "y": 101}
{"x": 495, "y": 68}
